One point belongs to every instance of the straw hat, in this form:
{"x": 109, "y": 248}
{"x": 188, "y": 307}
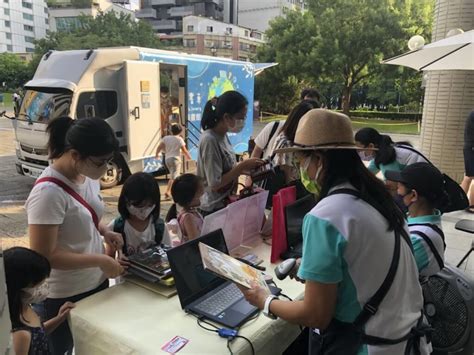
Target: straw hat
{"x": 322, "y": 129}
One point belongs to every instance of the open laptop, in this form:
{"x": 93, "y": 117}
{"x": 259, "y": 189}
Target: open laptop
{"x": 294, "y": 215}
{"x": 203, "y": 293}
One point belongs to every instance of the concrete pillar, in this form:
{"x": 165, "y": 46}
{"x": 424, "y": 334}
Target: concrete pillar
{"x": 449, "y": 95}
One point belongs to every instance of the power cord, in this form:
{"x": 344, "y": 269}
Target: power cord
{"x": 242, "y": 337}
{"x": 229, "y": 334}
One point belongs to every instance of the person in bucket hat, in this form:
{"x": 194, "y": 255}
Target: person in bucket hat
{"x": 421, "y": 189}
{"x": 349, "y": 240}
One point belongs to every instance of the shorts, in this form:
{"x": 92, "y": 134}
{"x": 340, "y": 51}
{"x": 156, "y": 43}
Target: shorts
{"x": 469, "y": 161}
{"x": 174, "y": 166}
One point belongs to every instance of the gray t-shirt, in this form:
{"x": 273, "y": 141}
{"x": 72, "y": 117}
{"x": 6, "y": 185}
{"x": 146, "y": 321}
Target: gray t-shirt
{"x": 216, "y": 157}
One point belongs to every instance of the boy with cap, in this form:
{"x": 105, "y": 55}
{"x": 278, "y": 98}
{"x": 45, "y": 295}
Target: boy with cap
{"x": 421, "y": 188}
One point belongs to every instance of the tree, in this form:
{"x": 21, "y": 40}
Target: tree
{"x": 105, "y": 30}
{"x": 338, "y": 44}
{"x": 13, "y": 71}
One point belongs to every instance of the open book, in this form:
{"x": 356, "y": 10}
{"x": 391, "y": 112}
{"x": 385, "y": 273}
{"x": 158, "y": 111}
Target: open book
{"x": 229, "y": 268}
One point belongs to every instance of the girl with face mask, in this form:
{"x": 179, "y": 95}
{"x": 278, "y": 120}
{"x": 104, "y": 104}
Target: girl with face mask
{"x": 139, "y": 208}
{"x": 26, "y": 272}
{"x": 217, "y": 164}
{"x": 64, "y": 211}
{"x": 349, "y": 241}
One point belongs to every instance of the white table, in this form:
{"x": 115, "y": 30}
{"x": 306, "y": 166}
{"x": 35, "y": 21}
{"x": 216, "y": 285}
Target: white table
{"x": 128, "y": 319}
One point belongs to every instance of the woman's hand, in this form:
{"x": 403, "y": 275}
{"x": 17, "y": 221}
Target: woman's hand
{"x": 294, "y": 271}
{"x": 250, "y": 164}
{"x": 115, "y": 240}
{"x": 256, "y": 296}
{"x": 110, "y": 266}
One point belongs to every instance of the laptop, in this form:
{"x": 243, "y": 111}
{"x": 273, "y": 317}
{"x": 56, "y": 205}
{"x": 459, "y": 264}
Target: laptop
{"x": 203, "y": 293}
{"x": 294, "y": 215}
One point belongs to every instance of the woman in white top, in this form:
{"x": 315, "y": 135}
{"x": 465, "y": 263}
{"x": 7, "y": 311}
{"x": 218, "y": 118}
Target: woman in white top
{"x": 173, "y": 146}
{"x": 349, "y": 241}
{"x": 64, "y": 211}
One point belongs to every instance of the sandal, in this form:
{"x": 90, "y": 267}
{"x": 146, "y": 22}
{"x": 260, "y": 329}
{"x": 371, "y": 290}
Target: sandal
{"x": 470, "y": 209}
{"x": 167, "y": 196}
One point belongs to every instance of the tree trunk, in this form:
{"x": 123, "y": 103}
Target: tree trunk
{"x": 346, "y": 99}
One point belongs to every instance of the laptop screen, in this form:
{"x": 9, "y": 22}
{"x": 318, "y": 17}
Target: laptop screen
{"x": 192, "y": 281}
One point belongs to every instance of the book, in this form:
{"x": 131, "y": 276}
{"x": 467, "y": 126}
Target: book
{"x": 152, "y": 261}
{"x": 230, "y": 268}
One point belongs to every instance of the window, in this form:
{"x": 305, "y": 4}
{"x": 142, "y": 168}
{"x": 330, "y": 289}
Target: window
{"x": 190, "y": 43}
{"x": 42, "y": 107}
{"x": 228, "y": 30}
{"x": 30, "y": 50}
{"x": 209, "y": 29}
{"x": 9, "y": 35}
{"x": 45, "y": 10}
{"x": 7, "y": 23}
{"x": 190, "y": 28}
{"x": 256, "y": 35}
{"x": 6, "y": 11}
{"x": 67, "y": 23}
{"x": 29, "y": 39}
{"x": 28, "y": 28}
{"x": 28, "y": 5}
{"x": 9, "y": 48}
{"x": 5, "y": 1}
{"x": 28, "y": 17}
{"x": 246, "y": 33}
{"x": 101, "y": 104}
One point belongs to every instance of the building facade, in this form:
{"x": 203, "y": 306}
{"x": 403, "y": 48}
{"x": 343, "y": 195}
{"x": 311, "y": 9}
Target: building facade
{"x": 64, "y": 14}
{"x": 166, "y": 16}
{"x": 21, "y": 23}
{"x": 258, "y": 14}
{"x": 209, "y": 37}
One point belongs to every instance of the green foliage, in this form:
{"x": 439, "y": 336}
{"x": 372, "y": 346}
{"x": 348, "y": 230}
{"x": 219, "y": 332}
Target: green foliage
{"x": 106, "y": 30}
{"x": 403, "y": 116}
{"x": 13, "y": 71}
{"x": 337, "y": 45}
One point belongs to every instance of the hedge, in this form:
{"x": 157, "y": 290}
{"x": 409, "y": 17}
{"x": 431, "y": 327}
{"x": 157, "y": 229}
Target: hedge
{"x": 386, "y": 115}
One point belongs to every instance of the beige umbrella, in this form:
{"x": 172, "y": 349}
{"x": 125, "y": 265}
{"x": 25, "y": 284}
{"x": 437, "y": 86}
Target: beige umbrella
{"x": 452, "y": 53}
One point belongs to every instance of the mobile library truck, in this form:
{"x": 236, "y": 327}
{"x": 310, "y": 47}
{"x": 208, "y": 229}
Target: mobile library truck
{"x": 135, "y": 90}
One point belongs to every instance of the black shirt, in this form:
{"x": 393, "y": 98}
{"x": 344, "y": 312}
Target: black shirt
{"x": 469, "y": 130}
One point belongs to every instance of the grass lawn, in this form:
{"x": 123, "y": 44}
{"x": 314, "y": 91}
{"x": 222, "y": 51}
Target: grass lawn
{"x": 7, "y": 99}
{"x": 383, "y": 126}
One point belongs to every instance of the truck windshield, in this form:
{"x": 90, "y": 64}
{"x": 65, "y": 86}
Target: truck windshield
{"x": 42, "y": 107}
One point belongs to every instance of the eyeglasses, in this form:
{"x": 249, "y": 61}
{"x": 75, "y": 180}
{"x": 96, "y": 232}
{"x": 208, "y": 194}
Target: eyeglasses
{"x": 101, "y": 162}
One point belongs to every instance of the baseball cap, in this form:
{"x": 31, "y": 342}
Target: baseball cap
{"x": 425, "y": 178}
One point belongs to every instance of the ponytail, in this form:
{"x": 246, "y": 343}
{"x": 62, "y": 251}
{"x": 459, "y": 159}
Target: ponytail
{"x": 386, "y": 151}
{"x": 230, "y": 102}
{"x": 57, "y": 130}
{"x": 209, "y": 117}
{"x": 172, "y": 213}
{"x": 88, "y": 136}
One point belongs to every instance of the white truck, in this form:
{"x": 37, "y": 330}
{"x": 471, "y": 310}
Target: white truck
{"x": 127, "y": 87}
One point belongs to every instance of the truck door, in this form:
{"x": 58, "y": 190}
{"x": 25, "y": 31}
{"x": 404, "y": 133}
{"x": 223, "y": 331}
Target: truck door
{"x": 142, "y": 96}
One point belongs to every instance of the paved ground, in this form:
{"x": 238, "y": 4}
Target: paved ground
{"x": 14, "y": 190}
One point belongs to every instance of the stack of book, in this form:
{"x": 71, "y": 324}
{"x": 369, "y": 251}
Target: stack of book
{"x": 152, "y": 265}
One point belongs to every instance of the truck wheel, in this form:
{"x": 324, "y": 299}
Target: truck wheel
{"x": 112, "y": 177}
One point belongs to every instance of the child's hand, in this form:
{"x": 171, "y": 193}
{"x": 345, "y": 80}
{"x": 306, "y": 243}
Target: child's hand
{"x": 114, "y": 239}
{"x": 123, "y": 260}
{"x": 64, "y": 310}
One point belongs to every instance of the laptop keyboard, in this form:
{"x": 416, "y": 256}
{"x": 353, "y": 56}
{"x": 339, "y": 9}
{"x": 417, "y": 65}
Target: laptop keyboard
{"x": 220, "y": 301}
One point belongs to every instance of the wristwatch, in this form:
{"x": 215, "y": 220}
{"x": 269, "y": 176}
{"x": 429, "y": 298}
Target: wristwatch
{"x": 266, "y": 307}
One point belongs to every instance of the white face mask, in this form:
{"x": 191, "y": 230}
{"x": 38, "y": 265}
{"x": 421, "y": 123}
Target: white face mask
{"x": 35, "y": 294}
{"x": 141, "y": 213}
